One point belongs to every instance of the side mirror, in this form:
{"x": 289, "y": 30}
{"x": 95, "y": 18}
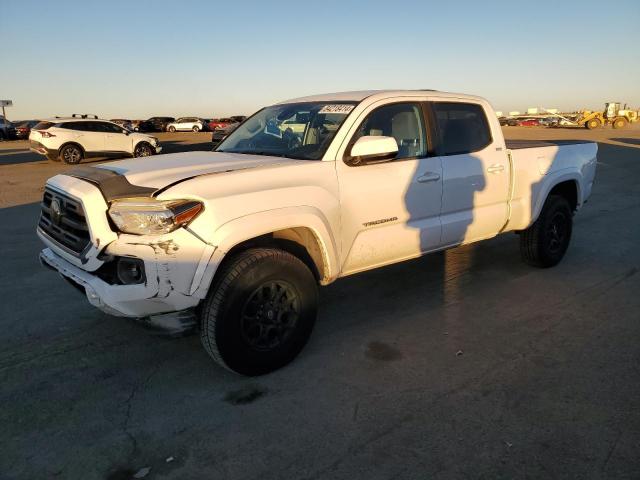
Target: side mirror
{"x": 373, "y": 149}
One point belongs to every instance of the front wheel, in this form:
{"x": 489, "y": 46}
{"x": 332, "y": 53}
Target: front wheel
{"x": 143, "y": 150}
{"x": 545, "y": 242}
{"x": 260, "y": 311}
{"x": 172, "y": 129}
{"x": 71, "y": 154}
{"x": 592, "y": 124}
{"x": 196, "y": 128}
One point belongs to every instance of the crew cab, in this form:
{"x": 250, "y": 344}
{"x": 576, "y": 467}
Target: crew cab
{"x": 234, "y": 242}
{"x": 75, "y": 138}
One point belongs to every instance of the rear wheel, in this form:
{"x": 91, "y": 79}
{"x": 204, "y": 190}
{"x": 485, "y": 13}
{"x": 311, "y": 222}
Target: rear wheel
{"x": 619, "y": 122}
{"x": 260, "y": 312}
{"x": 545, "y": 242}
{"x": 196, "y": 128}
{"x": 71, "y": 154}
{"x": 143, "y": 149}
{"x": 171, "y": 129}
{"x": 593, "y": 123}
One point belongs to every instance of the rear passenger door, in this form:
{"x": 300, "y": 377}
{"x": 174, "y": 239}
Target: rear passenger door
{"x": 89, "y": 135}
{"x": 476, "y": 173}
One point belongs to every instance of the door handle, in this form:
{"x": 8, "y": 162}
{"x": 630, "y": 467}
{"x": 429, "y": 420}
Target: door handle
{"x": 495, "y": 168}
{"x": 429, "y": 177}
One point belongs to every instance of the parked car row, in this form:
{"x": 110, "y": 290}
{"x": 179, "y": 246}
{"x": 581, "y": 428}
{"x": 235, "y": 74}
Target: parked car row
{"x": 181, "y": 124}
{"x": 22, "y": 129}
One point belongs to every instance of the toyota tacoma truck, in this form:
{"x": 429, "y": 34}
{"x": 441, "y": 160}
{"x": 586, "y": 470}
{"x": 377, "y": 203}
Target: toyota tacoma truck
{"x": 233, "y": 243}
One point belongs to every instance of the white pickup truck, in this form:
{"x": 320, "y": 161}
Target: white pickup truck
{"x": 234, "y": 242}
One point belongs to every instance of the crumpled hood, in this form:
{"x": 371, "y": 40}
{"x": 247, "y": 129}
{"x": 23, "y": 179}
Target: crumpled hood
{"x": 160, "y": 171}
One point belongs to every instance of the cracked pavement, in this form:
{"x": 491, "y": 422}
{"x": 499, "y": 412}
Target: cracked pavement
{"x": 547, "y": 384}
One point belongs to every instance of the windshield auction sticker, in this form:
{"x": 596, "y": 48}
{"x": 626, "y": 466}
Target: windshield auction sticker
{"x": 343, "y": 108}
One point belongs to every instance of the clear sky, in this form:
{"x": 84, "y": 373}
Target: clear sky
{"x": 134, "y": 59}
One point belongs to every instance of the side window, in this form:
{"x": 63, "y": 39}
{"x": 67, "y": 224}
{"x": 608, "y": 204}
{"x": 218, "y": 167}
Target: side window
{"x": 97, "y": 127}
{"x": 88, "y": 127}
{"x": 112, "y": 128}
{"x": 402, "y": 121}
{"x": 80, "y": 126}
{"x": 461, "y": 128}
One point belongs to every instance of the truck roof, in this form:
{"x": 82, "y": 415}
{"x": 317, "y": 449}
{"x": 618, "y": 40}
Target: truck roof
{"x": 359, "y": 95}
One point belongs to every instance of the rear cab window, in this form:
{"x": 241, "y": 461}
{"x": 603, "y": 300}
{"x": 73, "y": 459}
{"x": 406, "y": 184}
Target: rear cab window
{"x": 460, "y": 128}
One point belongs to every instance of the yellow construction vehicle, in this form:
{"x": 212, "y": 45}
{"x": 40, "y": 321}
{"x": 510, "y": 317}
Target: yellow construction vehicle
{"x": 612, "y": 115}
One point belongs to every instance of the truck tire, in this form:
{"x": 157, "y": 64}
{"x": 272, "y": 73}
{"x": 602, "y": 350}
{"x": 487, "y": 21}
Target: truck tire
{"x": 619, "y": 122}
{"x": 545, "y": 242}
{"x": 592, "y": 124}
{"x": 259, "y": 312}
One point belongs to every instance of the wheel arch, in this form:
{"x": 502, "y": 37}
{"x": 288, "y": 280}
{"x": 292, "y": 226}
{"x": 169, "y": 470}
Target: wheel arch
{"x": 567, "y": 189}
{"x": 71, "y": 142}
{"x": 567, "y": 186}
{"x": 305, "y": 234}
{"x": 301, "y": 242}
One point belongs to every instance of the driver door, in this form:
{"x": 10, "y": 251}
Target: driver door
{"x": 391, "y": 210}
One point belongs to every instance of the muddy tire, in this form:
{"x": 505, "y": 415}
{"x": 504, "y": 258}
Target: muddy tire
{"x": 260, "y": 311}
{"x": 545, "y": 242}
{"x": 71, "y": 154}
{"x": 592, "y": 124}
{"x": 619, "y": 122}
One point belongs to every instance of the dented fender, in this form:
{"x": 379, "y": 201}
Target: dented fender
{"x": 171, "y": 261}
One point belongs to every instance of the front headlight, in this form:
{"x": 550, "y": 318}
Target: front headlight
{"x": 148, "y": 216}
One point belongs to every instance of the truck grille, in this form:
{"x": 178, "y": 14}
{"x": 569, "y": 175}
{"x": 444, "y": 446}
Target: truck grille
{"x": 62, "y": 219}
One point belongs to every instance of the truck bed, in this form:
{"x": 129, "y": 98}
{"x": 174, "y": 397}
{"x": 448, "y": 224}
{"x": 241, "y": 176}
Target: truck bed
{"x": 539, "y": 164}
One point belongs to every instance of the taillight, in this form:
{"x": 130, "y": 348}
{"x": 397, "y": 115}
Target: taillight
{"x": 46, "y": 134}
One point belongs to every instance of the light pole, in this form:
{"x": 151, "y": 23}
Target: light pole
{"x": 5, "y": 103}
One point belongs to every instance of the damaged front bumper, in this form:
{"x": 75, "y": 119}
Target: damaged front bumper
{"x": 174, "y": 273}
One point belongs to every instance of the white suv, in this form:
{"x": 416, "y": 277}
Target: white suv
{"x": 186, "y": 124}
{"x": 75, "y": 138}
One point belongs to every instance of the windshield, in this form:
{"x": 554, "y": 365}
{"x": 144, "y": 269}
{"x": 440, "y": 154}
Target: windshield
{"x": 295, "y": 130}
